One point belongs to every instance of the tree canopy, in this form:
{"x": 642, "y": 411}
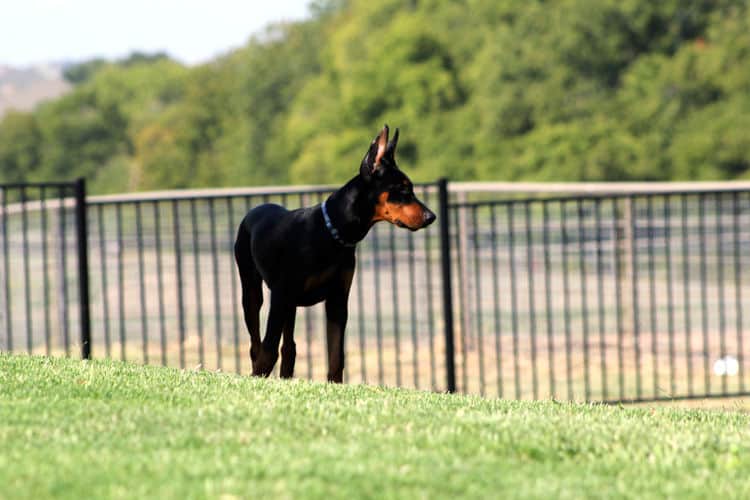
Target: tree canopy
{"x": 481, "y": 89}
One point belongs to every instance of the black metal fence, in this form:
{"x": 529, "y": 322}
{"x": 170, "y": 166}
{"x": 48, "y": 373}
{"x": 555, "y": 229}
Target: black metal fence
{"x": 623, "y": 293}
{"x": 165, "y": 290}
{"x": 43, "y": 279}
{"x": 610, "y": 297}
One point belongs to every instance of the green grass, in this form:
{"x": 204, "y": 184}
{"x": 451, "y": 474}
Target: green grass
{"x": 109, "y": 429}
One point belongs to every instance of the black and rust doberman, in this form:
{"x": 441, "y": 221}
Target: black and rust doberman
{"x": 306, "y": 256}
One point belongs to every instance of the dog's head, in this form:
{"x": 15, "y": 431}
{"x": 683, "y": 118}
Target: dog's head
{"x": 393, "y": 192}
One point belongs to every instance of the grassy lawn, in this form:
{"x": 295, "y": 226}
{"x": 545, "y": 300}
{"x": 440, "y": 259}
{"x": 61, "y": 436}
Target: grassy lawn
{"x": 109, "y": 429}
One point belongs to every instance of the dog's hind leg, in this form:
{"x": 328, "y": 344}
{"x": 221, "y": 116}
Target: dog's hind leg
{"x": 281, "y": 310}
{"x": 288, "y": 348}
{"x": 252, "y": 289}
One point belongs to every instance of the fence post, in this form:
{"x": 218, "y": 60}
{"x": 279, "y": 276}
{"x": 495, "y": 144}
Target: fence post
{"x": 83, "y": 267}
{"x": 445, "y": 260}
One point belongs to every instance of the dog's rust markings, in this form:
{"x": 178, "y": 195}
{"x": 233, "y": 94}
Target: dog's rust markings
{"x": 410, "y": 215}
{"x": 381, "y": 208}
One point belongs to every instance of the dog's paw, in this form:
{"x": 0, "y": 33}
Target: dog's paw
{"x": 263, "y": 365}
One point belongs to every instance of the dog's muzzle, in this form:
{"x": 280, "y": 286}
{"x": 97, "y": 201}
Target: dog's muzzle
{"x": 429, "y": 217}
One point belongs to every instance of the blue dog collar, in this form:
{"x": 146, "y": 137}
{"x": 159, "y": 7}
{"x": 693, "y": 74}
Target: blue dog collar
{"x": 334, "y": 232}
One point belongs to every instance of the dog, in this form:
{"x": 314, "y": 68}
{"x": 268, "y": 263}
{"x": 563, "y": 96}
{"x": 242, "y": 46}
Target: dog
{"x": 307, "y": 255}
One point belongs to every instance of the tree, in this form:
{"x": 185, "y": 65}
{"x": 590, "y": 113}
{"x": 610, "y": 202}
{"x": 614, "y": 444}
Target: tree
{"x": 481, "y": 89}
{"x": 20, "y": 141}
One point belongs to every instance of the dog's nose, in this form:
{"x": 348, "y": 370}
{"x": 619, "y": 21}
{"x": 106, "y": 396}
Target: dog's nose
{"x": 429, "y": 218}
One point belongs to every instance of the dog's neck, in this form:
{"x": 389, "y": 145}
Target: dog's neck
{"x": 351, "y": 210}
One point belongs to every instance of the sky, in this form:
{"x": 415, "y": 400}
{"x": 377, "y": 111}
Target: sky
{"x": 192, "y": 31}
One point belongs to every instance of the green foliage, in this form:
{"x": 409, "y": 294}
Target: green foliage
{"x": 92, "y": 130}
{"x": 85, "y": 71}
{"x": 20, "y": 140}
{"x": 482, "y": 89}
{"x": 103, "y": 429}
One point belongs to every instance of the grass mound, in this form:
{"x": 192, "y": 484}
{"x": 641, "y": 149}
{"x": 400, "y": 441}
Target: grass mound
{"x": 110, "y": 429}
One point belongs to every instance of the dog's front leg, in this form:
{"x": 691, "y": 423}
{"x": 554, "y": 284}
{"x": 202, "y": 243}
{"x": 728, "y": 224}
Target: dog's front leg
{"x": 277, "y": 316}
{"x": 336, "y": 316}
{"x": 288, "y": 348}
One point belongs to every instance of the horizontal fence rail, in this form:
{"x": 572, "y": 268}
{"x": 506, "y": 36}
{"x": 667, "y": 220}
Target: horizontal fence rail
{"x": 598, "y": 292}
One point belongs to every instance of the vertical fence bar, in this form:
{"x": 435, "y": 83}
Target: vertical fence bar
{"x": 445, "y": 261}
{"x": 514, "y": 297}
{"x": 83, "y": 267}
{"x": 686, "y": 292}
{"x": 378, "y": 309}
{"x": 619, "y": 264}
{"x": 6, "y": 274}
{"x": 704, "y": 290}
{"x": 634, "y": 287}
{"x": 197, "y": 283}
{"x": 233, "y": 281}
{"x": 160, "y": 283}
{"x": 600, "y": 297}
{"x": 548, "y": 298}
{"x": 62, "y": 272}
{"x": 738, "y": 287}
{"x": 215, "y": 265}
{"x": 461, "y": 256}
{"x": 566, "y": 299}
{"x": 532, "y": 301}
{"x": 395, "y": 302}
{"x": 652, "y": 294}
{"x": 584, "y": 298}
{"x": 478, "y": 299}
{"x": 26, "y": 270}
{"x": 670, "y": 292}
{"x": 179, "y": 279}
{"x": 496, "y": 300}
{"x": 430, "y": 307}
{"x": 105, "y": 285}
{"x": 141, "y": 281}
{"x": 720, "y": 283}
{"x": 413, "y": 307}
{"x": 120, "y": 281}
{"x": 45, "y": 271}
{"x": 464, "y": 286}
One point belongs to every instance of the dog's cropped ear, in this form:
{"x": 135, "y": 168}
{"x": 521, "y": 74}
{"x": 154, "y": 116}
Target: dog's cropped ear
{"x": 371, "y": 161}
{"x": 390, "y": 150}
